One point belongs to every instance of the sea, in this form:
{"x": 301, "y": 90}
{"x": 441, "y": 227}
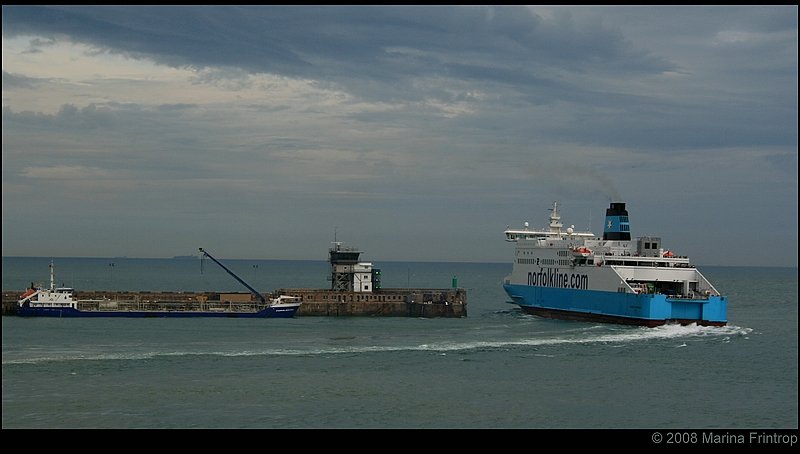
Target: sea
{"x": 497, "y": 368}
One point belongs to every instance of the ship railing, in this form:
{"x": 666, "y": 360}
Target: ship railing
{"x": 696, "y": 295}
{"x": 703, "y": 292}
{"x": 58, "y": 304}
{"x": 693, "y": 295}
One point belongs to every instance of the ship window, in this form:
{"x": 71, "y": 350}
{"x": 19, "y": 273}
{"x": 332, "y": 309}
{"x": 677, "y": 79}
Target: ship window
{"x": 647, "y": 245}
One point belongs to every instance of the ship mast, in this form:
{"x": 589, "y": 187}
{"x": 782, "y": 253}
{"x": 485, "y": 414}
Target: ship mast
{"x": 555, "y": 220}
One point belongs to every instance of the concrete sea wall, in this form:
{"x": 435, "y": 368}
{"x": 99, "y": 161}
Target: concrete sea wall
{"x": 316, "y": 302}
{"x": 385, "y": 302}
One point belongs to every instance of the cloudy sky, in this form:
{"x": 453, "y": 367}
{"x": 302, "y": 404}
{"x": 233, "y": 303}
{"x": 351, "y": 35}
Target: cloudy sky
{"x": 414, "y": 133}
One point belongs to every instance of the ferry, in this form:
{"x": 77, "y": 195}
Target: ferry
{"x": 566, "y": 274}
{"x": 61, "y": 302}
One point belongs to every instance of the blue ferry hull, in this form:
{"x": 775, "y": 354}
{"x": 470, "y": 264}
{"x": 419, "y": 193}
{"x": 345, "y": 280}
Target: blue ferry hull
{"x": 69, "y": 312}
{"x": 624, "y": 308}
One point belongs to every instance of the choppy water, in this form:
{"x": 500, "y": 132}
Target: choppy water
{"x": 496, "y": 368}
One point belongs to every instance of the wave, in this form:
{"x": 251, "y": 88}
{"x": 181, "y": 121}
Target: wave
{"x": 582, "y": 336}
{"x": 625, "y": 335}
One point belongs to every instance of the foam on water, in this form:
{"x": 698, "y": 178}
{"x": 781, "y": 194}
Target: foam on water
{"x": 627, "y": 335}
{"x": 577, "y": 336}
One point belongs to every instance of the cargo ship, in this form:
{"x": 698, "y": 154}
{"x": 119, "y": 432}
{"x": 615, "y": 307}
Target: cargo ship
{"x": 565, "y": 274}
{"x": 61, "y": 302}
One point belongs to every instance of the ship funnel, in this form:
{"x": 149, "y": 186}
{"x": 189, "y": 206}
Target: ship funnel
{"x": 616, "y": 226}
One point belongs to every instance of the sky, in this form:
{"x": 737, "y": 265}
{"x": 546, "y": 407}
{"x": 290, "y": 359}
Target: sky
{"x": 415, "y": 133}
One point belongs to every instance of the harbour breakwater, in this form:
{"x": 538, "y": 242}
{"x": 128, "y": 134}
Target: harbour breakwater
{"x": 403, "y": 302}
{"x": 386, "y": 302}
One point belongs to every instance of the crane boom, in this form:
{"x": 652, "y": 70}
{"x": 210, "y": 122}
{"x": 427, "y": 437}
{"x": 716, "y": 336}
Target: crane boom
{"x": 252, "y": 290}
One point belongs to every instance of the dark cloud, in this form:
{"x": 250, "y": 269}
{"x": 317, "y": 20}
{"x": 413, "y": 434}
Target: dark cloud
{"x": 345, "y": 44}
{"x": 178, "y": 36}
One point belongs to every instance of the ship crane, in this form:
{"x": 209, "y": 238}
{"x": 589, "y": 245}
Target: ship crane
{"x": 252, "y": 290}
